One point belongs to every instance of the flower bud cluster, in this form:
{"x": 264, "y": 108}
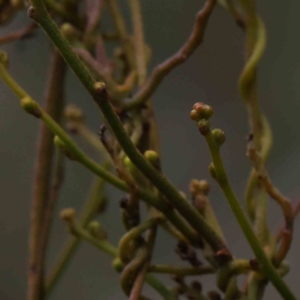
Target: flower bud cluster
{"x": 201, "y": 113}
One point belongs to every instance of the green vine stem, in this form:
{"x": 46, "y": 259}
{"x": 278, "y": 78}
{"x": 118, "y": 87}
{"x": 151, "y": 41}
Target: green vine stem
{"x": 255, "y": 45}
{"x": 237, "y": 266}
{"x": 283, "y": 202}
{"x": 133, "y": 234}
{"x": 252, "y": 182}
{"x": 105, "y": 246}
{"x": 266, "y": 265}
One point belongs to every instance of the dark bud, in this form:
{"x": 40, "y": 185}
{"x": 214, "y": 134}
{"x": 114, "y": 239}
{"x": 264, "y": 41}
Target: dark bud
{"x": 196, "y": 285}
{"x": 31, "y": 13}
{"x": 212, "y": 171}
{"x": 213, "y": 295}
{"x": 204, "y": 126}
{"x": 224, "y": 256}
{"x": 124, "y": 203}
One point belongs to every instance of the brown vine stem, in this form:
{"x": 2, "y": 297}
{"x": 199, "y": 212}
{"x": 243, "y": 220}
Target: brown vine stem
{"x": 163, "y": 69}
{"x": 141, "y": 65}
{"x": 283, "y": 202}
{"x": 139, "y": 280}
{"x": 121, "y": 31}
{"x": 54, "y": 96}
{"x": 281, "y": 229}
{"x": 18, "y": 35}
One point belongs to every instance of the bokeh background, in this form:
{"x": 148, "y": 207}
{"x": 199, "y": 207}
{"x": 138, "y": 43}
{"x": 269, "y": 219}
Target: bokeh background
{"x": 210, "y": 75}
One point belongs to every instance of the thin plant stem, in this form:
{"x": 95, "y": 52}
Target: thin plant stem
{"x": 38, "y": 237}
{"x": 122, "y": 32}
{"x": 283, "y": 202}
{"x": 181, "y": 271}
{"x": 252, "y": 181}
{"x": 139, "y": 44}
{"x": 163, "y": 69}
{"x": 18, "y": 35}
{"x": 266, "y": 265}
{"x": 95, "y": 201}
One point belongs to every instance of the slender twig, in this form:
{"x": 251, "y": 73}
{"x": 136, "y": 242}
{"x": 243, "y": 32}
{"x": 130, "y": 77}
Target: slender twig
{"x": 267, "y": 140}
{"x": 237, "y": 266}
{"x": 163, "y": 69}
{"x": 95, "y": 202}
{"x": 240, "y": 216}
{"x": 122, "y": 32}
{"x": 181, "y": 271}
{"x": 280, "y": 232}
{"x": 94, "y": 9}
{"x": 139, "y": 280}
{"x": 139, "y": 43}
{"x": 283, "y": 202}
{"x": 133, "y": 234}
{"x": 54, "y": 100}
{"x": 141, "y": 65}
{"x": 18, "y": 35}
{"x": 57, "y": 182}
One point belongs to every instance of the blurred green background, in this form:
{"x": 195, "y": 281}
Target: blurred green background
{"x": 210, "y": 75}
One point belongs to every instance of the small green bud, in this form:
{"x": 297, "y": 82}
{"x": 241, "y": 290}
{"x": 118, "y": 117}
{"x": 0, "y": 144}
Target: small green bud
{"x": 204, "y": 126}
{"x": 129, "y": 165}
{"x": 63, "y": 148}
{"x": 199, "y": 186}
{"x": 207, "y": 111}
{"x": 117, "y": 264}
{"x": 4, "y": 59}
{"x": 69, "y": 31}
{"x": 96, "y": 230}
{"x": 31, "y": 107}
{"x": 68, "y": 214}
{"x": 152, "y": 158}
{"x": 74, "y": 113}
{"x": 212, "y": 171}
{"x": 218, "y": 136}
{"x": 99, "y": 87}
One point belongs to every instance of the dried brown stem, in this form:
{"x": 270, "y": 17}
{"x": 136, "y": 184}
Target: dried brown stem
{"x": 274, "y": 193}
{"x": 122, "y": 32}
{"x": 53, "y": 105}
{"x": 50, "y": 205}
{"x": 94, "y": 9}
{"x": 163, "y": 69}
{"x": 281, "y": 229}
{"x": 18, "y": 35}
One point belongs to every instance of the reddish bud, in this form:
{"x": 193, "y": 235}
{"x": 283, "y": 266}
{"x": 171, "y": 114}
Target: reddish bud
{"x": 204, "y": 126}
